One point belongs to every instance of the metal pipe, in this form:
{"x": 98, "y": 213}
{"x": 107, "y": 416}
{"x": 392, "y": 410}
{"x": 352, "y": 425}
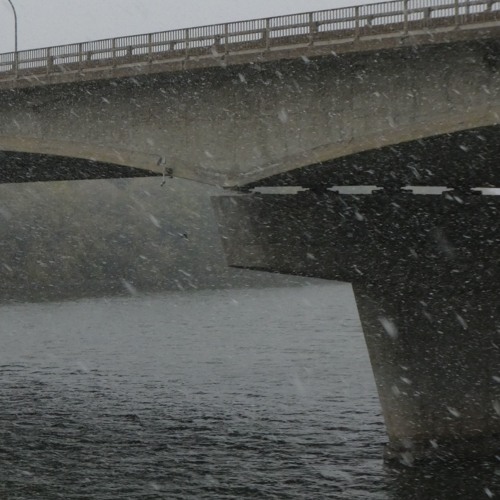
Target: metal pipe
{"x": 15, "y": 26}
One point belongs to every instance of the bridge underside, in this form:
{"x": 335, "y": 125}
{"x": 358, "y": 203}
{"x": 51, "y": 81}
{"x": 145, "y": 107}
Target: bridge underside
{"x": 468, "y": 158}
{"x": 18, "y": 167}
{"x": 459, "y": 160}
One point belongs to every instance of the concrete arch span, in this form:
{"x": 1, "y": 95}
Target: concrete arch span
{"x": 18, "y": 167}
{"x": 240, "y": 125}
{"x": 27, "y": 159}
{"x": 458, "y": 159}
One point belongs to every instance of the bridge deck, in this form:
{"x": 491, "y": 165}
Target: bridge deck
{"x": 358, "y": 28}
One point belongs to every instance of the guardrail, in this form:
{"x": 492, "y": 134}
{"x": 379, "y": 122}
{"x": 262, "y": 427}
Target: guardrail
{"x": 399, "y": 16}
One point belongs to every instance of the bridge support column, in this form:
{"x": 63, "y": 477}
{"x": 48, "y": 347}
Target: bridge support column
{"x": 426, "y": 277}
{"x": 435, "y": 354}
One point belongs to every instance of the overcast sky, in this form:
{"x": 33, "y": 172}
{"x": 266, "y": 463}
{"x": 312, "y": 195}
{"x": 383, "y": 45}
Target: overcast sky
{"x": 44, "y": 23}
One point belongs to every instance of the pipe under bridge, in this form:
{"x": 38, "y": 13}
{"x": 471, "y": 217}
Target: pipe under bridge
{"x": 396, "y": 95}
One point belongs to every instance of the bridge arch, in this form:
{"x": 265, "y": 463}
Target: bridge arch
{"x": 406, "y": 156}
{"x": 26, "y": 159}
{"x": 409, "y": 156}
{"x": 245, "y": 125}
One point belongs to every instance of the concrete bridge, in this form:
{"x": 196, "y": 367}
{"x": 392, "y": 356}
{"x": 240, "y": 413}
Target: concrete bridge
{"x": 398, "y": 94}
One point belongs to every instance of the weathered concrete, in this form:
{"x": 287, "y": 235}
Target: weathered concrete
{"x": 426, "y": 278}
{"x": 240, "y": 125}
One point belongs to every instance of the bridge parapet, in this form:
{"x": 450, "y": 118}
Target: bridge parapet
{"x": 216, "y": 44}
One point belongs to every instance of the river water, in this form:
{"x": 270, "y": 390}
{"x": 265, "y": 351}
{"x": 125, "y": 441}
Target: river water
{"x": 255, "y": 393}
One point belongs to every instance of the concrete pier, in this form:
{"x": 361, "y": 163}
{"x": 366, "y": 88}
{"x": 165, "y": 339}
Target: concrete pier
{"x": 426, "y": 277}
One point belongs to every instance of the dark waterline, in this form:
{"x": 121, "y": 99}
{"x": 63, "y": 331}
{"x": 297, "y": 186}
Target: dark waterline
{"x": 261, "y": 393}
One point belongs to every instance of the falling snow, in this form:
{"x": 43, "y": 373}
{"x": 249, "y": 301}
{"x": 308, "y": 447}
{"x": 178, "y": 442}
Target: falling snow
{"x": 453, "y": 411}
{"x": 390, "y": 327}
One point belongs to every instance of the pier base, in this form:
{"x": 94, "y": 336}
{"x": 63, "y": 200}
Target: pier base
{"x": 426, "y": 277}
{"x": 435, "y": 354}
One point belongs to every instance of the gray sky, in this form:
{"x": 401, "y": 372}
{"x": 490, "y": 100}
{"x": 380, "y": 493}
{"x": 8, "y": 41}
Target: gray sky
{"x": 43, "y": 23}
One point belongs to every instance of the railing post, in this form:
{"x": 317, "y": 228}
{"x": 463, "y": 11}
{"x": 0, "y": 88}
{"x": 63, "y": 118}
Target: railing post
{"x": 186, "y": 38}
{"x": 356, "y": 15}
{"x": 113, "y": 49}
{"x": 226, "y": 38}
{"x": 150, "y": 47}
{"x": 313, "y": 28}
{"x": 405, "y": 15}
{"x": 427, "y": 17}
{"x": 50, "y": 61}
{"x": 16, "y": 64}
{"x": 267, "y": 34}
{"x": 457, "y": 12}
{"x": 80, "y": 55}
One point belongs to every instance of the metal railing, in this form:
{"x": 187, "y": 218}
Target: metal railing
{"x": 218, "y": 40}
